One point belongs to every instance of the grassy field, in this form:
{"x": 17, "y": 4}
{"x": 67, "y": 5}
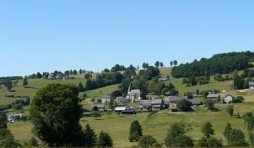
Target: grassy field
{"x": 155, "y": 124}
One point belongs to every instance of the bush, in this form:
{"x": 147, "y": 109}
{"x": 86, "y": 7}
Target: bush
{"x": 10, "y": 96}
{"x": 146, "y": 141}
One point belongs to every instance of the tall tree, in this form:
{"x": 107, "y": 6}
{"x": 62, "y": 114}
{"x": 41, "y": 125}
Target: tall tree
{"x": 75, "y": 72}
{"x": 81, "y": 87}
{"x": 8, "y": 84}
{"x": 176, "y": 136}
{"x": 157, "y": 64}
{"x": 227, "y": 131}
{"x": 3, "y": 120}
{"x": 135, "y": 131}
{"x": 184, "y": 105}
{"x": 38, "y": 75}
{"x": 25, "y": 82}
{"x": 175, "y": 62}
{"x": 161, "y": 64}
{"x": 171, "y": 63}
{"x": 147, "y": 141}
{"x": 230, "y": 110}
{"x": 207, "y": 130}
{"x": 55, "y": 112}
{"x": 90, "y": 138}
{"x": 104, "y": 141}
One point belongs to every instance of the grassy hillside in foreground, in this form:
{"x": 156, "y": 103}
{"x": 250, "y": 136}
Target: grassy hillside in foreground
{"x": 156, "y": 124}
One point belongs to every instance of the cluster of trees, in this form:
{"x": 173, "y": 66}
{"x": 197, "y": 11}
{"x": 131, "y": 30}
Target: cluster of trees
{"x": 104, "y": 79}
{"x": 115, "y": 68}
{"x": 13, "y": 78}
{"x": 173, "y": 63}
{"x": 158, "y": 64}
{"x": 242, "y": 81}
{"x": 218, "y": 64}
{"x": 17, "y": 104}
{"x": 55, "y": 111}
{"x": 9, "y": 83}
{"x": 6, "y": 137}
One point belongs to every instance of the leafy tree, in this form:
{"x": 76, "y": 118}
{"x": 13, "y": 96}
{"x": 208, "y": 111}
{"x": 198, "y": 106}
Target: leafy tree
{"x": 92, "y": 100}
{"x": 9, "y": 141}
{"x": 237, "y": 139}
{"x": 175, "y": 62}
{"x": 95, "y": 114}
{"x": 176, "y": 136}
{"x": 157, "y": 64}
{"x": 33, "y": 142}
{"x": 207, "y": 130}
{"x": 55, "y": 112}
{"x": 8, "y": 84}
{"x": 249, "y": 121}
{"x": 209, "y": 104}
{"x": 171, "y": 63}
{"x": 38, "y": 75}
{"x": 161, "y": 64}
{"x": 3, "y": 120}
{"x": 227, "y": 131}
{"x": 251, "y": 139}
{"x": 25, "y": 82}
{"x": 81, "y": 87}
{"x": 116, "y": 93}
{"x": 192, "y": 80}
{"x": 88, "y": 76}
{"x": 67, "y": 72}
{"x": 210, "y": 142}
{"x": 184, "y": 105}
{"x": 104, "y": 140}
{"x": 230, "y": 110}
{"x": 75, "y": 72}
{"x": 89, "y": 138}
{"x": 135, "y": 131}
{"x": 147, "y": 141}
{"x": 99, "y": 101}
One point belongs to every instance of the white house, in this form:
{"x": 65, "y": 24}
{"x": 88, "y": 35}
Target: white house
{"x": 134, "y": 94}
{"x": 228, "y": 98}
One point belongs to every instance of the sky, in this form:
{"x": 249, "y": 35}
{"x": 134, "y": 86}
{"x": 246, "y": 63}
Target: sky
{"x": 43, "y": 36}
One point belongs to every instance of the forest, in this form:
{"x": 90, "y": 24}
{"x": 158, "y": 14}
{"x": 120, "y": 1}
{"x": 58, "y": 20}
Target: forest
{"x": 224, "y": 63}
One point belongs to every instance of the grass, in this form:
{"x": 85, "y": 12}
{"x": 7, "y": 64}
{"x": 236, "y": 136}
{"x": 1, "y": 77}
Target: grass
{"x": 155, "y": 124}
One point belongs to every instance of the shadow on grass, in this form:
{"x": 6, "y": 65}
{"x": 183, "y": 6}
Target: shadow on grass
{"x": 12, "y": 91}
{"x": 83, "y": 120}
{"x": 98, "y": 119}
{"x": 215, "y": 110}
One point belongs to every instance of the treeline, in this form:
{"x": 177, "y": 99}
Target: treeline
{"x": 4, "y": 79}
{"x": 218, "y": 64}
{"x": 17, "y": 104}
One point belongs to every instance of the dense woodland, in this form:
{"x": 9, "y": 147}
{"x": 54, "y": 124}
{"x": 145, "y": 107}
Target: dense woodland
{"x": 218, "y": 64}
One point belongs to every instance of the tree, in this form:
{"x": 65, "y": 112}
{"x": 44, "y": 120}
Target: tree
{"x": 176, "y": 136}
{"x": 171, "y": 63}
{"x": 80, "y": 71}
{"x": 104, "y": 140}
{"x": 15, "y": 82}
{"x": 161, "y": 64}
{"x": 81, "y": 87}
{"x": 184, "y": 105}
{"x": 227, "y": 131}
{"x": 3, "y": 120}
{"x": 95, "y": 114}
{"x": 175, "y": 62}
{"x": 8, "y": 84}
{"x": 135, "y": 131}
{"x": 230, "y": 110}
{"x": 116, "y": 93}
{"x": 147, "y": 141}
{"x": 237, "y": 139}
{"x": 67, "y": 72}
{"x": 25, "y": 82}
{"x": 210, "y": 142}
{"x": 209, "y": 104}
{"x": 75, "y": 72}
{"x": 38, "y": 75}
{"x": 157, "y": 64}
{"x": 55, "y": 111}
{"x": 89, "y": 138}
{"x": 207, "y": 130}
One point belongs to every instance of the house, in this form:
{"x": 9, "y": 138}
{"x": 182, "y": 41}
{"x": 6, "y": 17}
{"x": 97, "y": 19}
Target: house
{"x": 122, "y": 100}
{"x": 194, "y": 94}
{"x": 251, "y": 85}
{"x": 145, "y": 105}
{"x": 195, "y": 102}
{"x": 172, "y": 100}
{"x": 13, "y": 117}
{"x": 214, "y": 97}
{"x": 105, "y": 99}
{"x": 228, "y": 98}
{"x": 157, "y": 104}
{"x": 133, "y": 94}
{"x": 86, "y": 112}
{"x": 100, "y": 107}
{"x": 166, "y": 78}
{"x": 152, "y": 105}
{"x": 121, "y": 108}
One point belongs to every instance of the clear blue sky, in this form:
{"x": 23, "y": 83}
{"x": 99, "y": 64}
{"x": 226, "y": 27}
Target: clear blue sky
{"x": 46, "y": 35}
